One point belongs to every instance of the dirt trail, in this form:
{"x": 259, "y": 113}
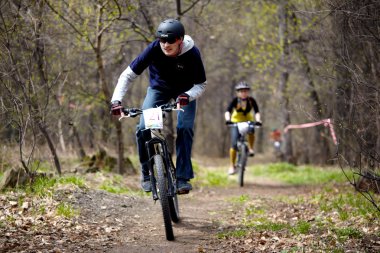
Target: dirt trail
{"x": 116, "y": 223}
{"x": 203, "y": 213}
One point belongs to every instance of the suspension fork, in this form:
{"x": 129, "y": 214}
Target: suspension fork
{"x": 152, "y": 150}
{"x": 150, "y": 147}
{"x": 170, "y": 169}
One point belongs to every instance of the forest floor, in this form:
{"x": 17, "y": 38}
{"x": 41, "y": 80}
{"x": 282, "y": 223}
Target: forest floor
{"x": 213, "y": 219}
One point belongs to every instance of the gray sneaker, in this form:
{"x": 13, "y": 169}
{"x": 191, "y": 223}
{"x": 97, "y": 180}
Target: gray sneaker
{"x": 183, "y": 187}
{"x": 146, "y": 186}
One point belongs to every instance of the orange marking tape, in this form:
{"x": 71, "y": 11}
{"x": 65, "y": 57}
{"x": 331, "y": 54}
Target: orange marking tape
{"x": 325, "y": 122}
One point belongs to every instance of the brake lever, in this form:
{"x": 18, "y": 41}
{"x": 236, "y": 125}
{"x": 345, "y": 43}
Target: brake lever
{"x": 123, "y": 115}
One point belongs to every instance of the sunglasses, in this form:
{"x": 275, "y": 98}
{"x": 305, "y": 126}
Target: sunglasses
{"x": 168, "y": 40}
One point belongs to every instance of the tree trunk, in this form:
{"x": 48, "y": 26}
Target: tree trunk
{"x": 51, "y": 146}
{"x": 40, "y": 59}
{"x": 320, "y": 153}
{"x": 80, "y": 148}
{"x": 283, "y": 33}
{"x": 107, "y": 95}
{"x": 260, "y": 135}
{"x": 59, "y": 123}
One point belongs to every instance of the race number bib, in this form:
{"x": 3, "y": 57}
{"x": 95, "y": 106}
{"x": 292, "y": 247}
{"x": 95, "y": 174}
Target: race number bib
{"x": 243, "y": 127}
{"x": 153, "y": 118}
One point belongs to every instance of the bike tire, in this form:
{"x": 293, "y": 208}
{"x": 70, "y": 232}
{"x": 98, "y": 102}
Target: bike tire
{"x": 173, "y": 201}
{"x": 242, "y": 164}
{"x": 174, "y": 209}
{"x": 162, "y": 186}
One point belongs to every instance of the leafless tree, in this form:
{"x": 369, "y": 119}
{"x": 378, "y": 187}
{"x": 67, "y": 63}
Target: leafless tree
{"x": 25, "y": 77}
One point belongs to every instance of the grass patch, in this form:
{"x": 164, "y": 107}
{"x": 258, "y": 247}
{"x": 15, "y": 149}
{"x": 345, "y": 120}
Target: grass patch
{"x": 262, "y": 224}
{"x": 41, "y": 166}
{"x": 116, "y": 185}
{"x": 72, "y": 180}
{"x": 44, "y": 186}
{"x": 347, "y": 204}
{"x": 346, "y": 233}
{"x": 112, "y": 187}
{"x": 212, "y": 178}
{"x": 298, "y": 175}
{"x": 294, "y": 200}
{"x": 252, "y": 211}
{"x": 239, "y": 233}
{"x": 66, "y": 210}
{"x": 271, "y": 226}
{"x": 240, "y": 199}
{"x": 327, "y": 210}
{"x": 42, "y": 210}
{"x": 302, "y": 227}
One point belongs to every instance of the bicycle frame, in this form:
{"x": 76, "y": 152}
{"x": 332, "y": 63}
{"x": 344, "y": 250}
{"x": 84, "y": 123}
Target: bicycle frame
{"x": 242, "y": 135}
{"x": 157, "y": 145}
{"x": 242, "y": 141}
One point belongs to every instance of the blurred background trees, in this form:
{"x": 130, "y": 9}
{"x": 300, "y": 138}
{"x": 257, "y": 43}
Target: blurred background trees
{"x": 306, "y": 61}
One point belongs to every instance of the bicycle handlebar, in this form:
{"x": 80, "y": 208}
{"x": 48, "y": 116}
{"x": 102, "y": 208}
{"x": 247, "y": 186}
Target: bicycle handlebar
{"x": 245, "y": 127}
{"x": 133, "y": 112}
{"x": 255, "y": 123}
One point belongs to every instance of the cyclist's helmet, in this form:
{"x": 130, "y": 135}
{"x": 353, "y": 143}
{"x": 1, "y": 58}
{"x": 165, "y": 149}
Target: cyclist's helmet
{"x": 170, "y": 28}
{"x": 242, "y": 86}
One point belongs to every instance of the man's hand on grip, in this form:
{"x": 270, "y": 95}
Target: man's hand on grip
{"x": 116, "y": 108}
{"x": 183, "y": 99}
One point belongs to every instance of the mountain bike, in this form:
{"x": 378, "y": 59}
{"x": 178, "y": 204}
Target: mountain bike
{"x": 162, "y": 171}
{"x": 242, "y": 152}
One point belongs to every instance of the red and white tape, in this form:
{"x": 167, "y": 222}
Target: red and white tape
{"x": 325, "y": 122}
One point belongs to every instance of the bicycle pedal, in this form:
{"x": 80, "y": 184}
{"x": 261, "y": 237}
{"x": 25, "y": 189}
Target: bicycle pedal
{"x": 183, "y": 192}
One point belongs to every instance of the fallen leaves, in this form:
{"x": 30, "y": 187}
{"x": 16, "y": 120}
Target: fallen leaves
{"x": 30, "y": 223}
{"x": 287, "y": 226}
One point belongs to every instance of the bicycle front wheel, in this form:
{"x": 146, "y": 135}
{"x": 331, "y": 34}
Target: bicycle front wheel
{"x": 174, "y": 209}
{"x": 242, "y": 164}
{"x": 173, "y": 199}
{"x": 162, "y": 186}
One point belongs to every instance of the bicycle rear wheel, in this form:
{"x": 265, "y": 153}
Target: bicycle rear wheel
{"x": 242, "y": 164}
{"x": 162, "y": 186}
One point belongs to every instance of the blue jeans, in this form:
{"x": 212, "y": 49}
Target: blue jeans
{"x": 185, "y": 134}
{"x": 234, "y": 137}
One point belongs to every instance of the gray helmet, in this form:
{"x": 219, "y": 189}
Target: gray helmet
{"x": 170, "y": 28}
{"x": 242, "y": 85}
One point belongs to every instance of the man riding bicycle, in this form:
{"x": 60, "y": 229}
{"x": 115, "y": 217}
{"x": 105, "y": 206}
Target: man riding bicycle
{"x": 176, "y": 71}
{"x": 242, "y": 108}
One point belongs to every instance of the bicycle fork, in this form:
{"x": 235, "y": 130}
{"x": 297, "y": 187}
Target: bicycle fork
{"x": 151, "y": 146}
